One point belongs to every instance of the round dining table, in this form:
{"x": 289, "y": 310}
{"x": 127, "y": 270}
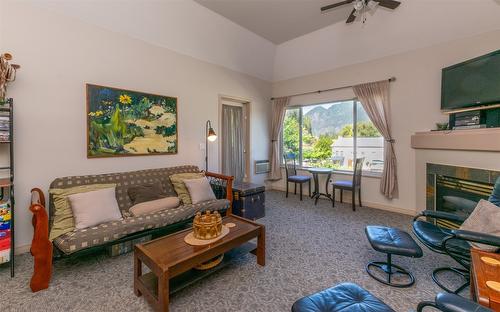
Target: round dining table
{"x": 315, "y": 173}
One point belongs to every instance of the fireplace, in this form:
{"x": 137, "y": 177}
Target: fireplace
{"x": 457, "y": 189}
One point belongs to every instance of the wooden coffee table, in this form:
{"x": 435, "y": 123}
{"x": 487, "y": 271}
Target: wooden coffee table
{"x": 169, "y": 257}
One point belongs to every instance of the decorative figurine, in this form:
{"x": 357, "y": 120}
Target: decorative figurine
{"x": 7, "y": 73}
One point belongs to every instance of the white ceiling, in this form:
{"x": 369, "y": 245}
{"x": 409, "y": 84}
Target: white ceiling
{"x": 189, "y": 28}
{"x": 279, "y": 20}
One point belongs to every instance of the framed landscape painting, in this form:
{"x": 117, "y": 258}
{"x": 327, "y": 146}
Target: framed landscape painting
{"x": 130, "y": 123}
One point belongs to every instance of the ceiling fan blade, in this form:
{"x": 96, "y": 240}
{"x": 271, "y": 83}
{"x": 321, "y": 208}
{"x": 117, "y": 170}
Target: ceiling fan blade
{"x": 390, "y": 4}
{"x": 331, "y": 6}
{"x": 351, "y": 17}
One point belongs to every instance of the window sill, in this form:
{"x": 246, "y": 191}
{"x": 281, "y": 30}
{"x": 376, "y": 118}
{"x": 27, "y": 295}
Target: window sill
{"x": 368, "y": 174}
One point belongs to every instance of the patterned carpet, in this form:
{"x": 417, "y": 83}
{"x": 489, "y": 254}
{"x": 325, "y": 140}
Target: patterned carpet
{"x": 309, "y": 248}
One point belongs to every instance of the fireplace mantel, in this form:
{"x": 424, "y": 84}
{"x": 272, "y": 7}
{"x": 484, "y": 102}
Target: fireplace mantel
{"x": 486, "y": 139}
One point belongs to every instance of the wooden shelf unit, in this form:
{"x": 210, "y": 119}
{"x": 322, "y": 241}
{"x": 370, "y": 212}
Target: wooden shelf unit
{"x": 484, "y": 139}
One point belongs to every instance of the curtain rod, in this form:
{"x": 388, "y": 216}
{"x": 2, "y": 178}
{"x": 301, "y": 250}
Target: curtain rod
{"x": 328, "y": 90}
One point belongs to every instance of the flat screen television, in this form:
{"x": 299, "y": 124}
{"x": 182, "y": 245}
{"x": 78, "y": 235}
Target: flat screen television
{"x": 475, "y": 82}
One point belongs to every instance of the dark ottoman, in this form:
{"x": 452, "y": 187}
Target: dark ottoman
{"x": 345, "y": 297}
{"x": 391, "y": 241}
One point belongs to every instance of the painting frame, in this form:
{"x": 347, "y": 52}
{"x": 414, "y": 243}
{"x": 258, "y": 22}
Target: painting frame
{"x": 91, "y": 153}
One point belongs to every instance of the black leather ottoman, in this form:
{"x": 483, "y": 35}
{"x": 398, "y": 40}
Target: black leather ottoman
{"x": 391, "y": 241}
{"x": 345, "y": 297}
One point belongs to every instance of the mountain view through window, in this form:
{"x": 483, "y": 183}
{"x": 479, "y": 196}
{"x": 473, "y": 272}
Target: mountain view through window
{"x": 332, "y": 135}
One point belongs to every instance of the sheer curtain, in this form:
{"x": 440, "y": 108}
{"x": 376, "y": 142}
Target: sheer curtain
{"x": 233, "y": 161}
{"x": 278, "y": 116}
{"x": 374, "y": 97}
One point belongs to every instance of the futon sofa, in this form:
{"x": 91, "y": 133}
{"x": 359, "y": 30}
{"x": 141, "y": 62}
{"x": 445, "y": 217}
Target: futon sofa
{"x": 156, "y": 224}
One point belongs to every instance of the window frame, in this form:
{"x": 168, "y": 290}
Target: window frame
{"x": 355, "y": 101}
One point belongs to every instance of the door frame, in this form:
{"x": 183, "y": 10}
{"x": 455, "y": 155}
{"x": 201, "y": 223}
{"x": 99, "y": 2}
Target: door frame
{"x": 245, "y": 103}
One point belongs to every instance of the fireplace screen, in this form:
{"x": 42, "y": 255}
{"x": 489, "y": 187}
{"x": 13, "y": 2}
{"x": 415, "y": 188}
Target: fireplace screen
{"x": 458, "y": 196}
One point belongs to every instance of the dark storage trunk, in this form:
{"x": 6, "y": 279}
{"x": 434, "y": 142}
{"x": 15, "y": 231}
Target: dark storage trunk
{"x": 249, "y": 200}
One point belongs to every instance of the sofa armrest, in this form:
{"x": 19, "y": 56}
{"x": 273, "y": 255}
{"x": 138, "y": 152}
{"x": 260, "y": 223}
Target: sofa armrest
{"x": 41, "y": 248}
{"x": 223, "y": 181}
{"x": 37, "y": 197}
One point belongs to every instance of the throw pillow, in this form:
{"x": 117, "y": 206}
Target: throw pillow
{"x": 179, "y": 187}
{"x": 147, "y": 192}
{"x": 93, "y": 208}
{"x": 495, "y": 195}
{"x": 484, "y": 219}
{"x": 63, "y": 221}
{"x": 199, "y": 190}
{"x": 154, "y": 205}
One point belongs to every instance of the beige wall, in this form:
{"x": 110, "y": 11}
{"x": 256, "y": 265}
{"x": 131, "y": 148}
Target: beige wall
{"x": 415, "y": 100}
{"x": 60, "y": 54}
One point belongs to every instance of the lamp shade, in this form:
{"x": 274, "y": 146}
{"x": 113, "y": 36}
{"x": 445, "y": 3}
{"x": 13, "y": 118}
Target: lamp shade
{"x": 211, "y": 135}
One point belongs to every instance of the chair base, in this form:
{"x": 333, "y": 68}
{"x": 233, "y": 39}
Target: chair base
{"x": 390, "y": 269}
{"x": 424, "y": 304}
{"x": 462, "y": 272}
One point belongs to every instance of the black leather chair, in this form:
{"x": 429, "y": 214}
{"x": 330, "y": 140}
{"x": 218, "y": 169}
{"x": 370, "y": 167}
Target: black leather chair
{"x": 353, "y": 185}
{"x": 454, "y": 243}
{"x": 291, "y": 175}
{"x": 447, "y": 302}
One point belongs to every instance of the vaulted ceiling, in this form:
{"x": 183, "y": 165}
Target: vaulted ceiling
{"x": 278, "y": 20}
{"x": 282, "y": 39}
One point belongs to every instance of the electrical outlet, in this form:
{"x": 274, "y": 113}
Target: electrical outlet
{"x": 202, "y": 146}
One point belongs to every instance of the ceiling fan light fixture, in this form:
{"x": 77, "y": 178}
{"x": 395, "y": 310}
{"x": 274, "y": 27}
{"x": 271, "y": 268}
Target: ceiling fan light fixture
{"x": 372, "y": 4}
{"x": 359, "y": 5}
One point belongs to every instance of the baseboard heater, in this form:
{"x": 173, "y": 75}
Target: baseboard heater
{"x": 262, "y": 166}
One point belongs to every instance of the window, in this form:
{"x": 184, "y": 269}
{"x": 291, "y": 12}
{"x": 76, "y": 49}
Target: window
{"x": 333, "y": 135}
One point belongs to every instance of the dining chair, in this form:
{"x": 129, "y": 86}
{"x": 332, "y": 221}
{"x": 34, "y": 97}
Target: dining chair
{"x": 353, "y": 185}
{"x": 291, "y": 175}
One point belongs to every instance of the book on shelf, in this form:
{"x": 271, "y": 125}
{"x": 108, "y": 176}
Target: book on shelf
{"x": 5, "y": 220}
{"x": 5, "y": 247}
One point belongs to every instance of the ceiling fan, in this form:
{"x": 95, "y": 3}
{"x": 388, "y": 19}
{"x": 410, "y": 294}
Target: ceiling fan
{"x": 361, "y": 6}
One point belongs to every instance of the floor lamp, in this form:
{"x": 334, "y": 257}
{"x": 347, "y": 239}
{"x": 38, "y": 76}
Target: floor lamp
{"x": 210, "y": 136}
